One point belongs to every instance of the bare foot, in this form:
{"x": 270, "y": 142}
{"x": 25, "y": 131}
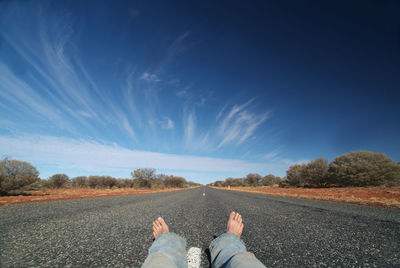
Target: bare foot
{"x": 159, "y": 227}
{"x": 235, "y": 225}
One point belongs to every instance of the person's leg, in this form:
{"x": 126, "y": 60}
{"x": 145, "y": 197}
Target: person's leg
{"x": 168, "y": 249}
{"x": 228, "y": 250}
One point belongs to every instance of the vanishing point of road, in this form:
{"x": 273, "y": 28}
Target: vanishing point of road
{"x": 116, "y": 231}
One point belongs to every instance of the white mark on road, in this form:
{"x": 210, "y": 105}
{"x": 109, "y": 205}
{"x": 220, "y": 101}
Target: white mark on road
{"x": 204, "y": 194}
{"x": 194, "y": 257}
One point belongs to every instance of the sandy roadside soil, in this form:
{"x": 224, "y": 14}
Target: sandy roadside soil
{"x": 372, "y": 196}
{"x": 75, "y": 193}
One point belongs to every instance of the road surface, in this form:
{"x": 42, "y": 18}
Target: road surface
{"x": 116, "y": 231}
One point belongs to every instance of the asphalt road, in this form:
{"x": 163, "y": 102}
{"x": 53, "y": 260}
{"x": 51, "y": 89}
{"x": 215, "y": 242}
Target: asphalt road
{"x": 116, "y": 231}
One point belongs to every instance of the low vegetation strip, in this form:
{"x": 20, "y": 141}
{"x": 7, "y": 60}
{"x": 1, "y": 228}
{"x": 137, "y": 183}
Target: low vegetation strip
{"x": 372, "y": 196}
{"x": 75, "y": 193}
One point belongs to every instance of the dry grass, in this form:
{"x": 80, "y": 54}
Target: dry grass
{"x": 372, "y": 196}
{"x": 75, "y": 193}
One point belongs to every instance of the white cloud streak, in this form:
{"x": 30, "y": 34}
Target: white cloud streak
{"x": 57, "y": 86}
{"x": 94, "y": 156}
{"x": 189, "y": 127}
{"x": 166, "y": 123}
{"x": 149, "y": 77}
{"x": 239, "y": 124}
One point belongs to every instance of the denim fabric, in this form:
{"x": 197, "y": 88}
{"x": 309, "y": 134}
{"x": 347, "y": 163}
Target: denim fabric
{"x": 168, "y": 250}
{"x": 228, "y": 251}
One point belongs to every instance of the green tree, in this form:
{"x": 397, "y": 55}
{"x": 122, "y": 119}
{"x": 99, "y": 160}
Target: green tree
{"x": 218, "y": 183}
{"x": 364, "y": 168}
{"x": 175, "y": 182}
{"x": 270, "y": 180}
{"x": 143, "y": 176}
{"x": 253, "y": 179}
{"x": 80, "y": 181}
{"x": 93, "y": 181}
{"x": 16, "y": 176}
{"x": 293, "y": 176}
{"x": 315, "y": 173}
{"x": 58, "y": 180}
{"x": 125, "y": 183}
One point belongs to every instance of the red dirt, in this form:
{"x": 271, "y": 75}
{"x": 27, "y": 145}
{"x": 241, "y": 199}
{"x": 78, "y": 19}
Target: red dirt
{"x": 73, "y": 193}
{"x": 372, "y": 196}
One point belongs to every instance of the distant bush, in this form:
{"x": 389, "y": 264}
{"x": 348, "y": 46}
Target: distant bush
{"x": 315, "y": 173}
{"x": 16, "y": 176}
{"x": 293, "y": 176}
{"x": 364, "y": 168}
{"x": 101, "y": 182}
{"x": 58, "y": 180}
{"x": 191, "y": 184}
{"x": 142, "y": 177}
{"x": 175, "y": 182}
{"x": 270, "y": 180}
{"x": 80, "y": 181}
{"x": 237, "y": 182}
{"x": 253, "y": 179}
{"x": 219, "y": 183}
{"x": 354, "y": 169}
{"x": 125, "y": 183}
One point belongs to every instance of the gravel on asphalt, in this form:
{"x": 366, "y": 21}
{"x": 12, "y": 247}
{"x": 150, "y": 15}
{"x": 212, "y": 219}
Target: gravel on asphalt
{"x": 116, "y": 231}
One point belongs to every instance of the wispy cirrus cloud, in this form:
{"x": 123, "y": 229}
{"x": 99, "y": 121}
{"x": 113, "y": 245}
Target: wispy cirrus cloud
{"x": 238, "y": 124}
{"x": 93, "y": 156}
{"x": 181, "y": 93}
{"x": 149, "y": 77}
{"x": 189, "y": 127}
{"x": 56, "y": 86}
{"x": 167, "y": 123}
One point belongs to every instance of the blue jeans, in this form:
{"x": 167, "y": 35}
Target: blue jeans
{"x": 227, "y": 251}
{"x": 168, "y": 250}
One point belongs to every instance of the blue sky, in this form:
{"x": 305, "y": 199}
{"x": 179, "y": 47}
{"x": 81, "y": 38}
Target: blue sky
{"x": 202, "y": 89}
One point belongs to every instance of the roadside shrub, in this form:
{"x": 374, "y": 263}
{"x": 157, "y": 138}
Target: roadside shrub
{"x": 143, "y": 176}
{"x": 315, "y": 173}
{"x": 284, "y": 183}
{"x": 191, "y": 183}
{"x": 175, "y": 182}
{"x": 108, "y": 182}
{"x": 293, "y": 176}
{"x": 101, "y": 182}
{"x": 218, "y": 183}
{"x": 93, "y": 181}
{"x": 270, "y": 180}
{"x": 229, "y": 182}
{"x": 157, "y": 183}
{"x": 80, "y": 181}
{"x": 253, "y": 179}
{"x": 239, "y": 182}
{"x": 125, "y": 183}
{"x": 58, "y": 180}
{"x": 16, "y": 176}
{"x": 45, "y": 184}
{"x": 364, "y": 168}
{"x": 140, "y": 183}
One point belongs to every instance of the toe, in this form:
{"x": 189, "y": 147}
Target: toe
{"x": 161, "y": 221}
{"x": 239, "y": 218}
{"x": 232, "y": 215}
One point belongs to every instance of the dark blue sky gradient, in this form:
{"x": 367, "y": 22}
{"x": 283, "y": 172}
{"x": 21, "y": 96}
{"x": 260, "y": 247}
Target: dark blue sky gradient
{"x": 326, "y": 73}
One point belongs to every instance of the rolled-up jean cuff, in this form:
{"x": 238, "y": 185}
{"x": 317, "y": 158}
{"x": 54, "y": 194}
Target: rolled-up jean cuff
{"x": 171, "y": 245}
{"x": 224, "y": 247}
